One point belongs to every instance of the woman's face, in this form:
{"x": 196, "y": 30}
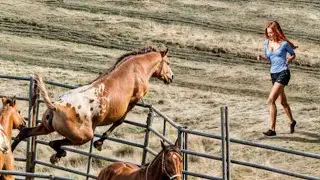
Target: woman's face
{"x": 270, "y": 33}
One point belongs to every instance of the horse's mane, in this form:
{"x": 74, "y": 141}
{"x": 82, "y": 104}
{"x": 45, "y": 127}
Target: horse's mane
{"x": 125, "y": 57}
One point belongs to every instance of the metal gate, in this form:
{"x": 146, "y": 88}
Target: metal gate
{"x": 181, "y": 132}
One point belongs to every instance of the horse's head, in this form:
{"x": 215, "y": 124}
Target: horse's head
{"x": 4, "y": 142}
{"x": 172, "y": 161}
{"x": 9, "y": 104}
{"x": 164, "y": 71}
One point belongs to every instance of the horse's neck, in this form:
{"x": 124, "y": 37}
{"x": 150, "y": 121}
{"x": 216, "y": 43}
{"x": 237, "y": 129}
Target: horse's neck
{"x": 150, "y": 67}
{"x": 144, "y": 66}
{"x": 5, "y": 122}
{"x": 154, "y": 170}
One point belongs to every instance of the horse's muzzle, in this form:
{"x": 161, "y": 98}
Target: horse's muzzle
{"x": 24, "y": 125}
{"x": 168, "y": 80}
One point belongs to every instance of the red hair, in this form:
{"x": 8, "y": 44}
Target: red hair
{"x": 278, "y": 34}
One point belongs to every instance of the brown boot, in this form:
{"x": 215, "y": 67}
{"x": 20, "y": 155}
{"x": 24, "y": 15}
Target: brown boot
{"x": 270, "y": 133}
{"x": 292, "y": 125}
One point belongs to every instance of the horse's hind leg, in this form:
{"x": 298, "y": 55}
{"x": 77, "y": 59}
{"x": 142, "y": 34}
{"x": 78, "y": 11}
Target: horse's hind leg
{"x": 56, "y": 145}
{"x": 28, "y": 132}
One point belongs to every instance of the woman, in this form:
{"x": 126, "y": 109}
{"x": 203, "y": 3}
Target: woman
{"x": 276, "y": 48}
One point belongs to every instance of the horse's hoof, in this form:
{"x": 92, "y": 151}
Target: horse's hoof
{"x": 62, "y": 153}
{"x": 98, "y": 145}
{"x": 54, "y": 159}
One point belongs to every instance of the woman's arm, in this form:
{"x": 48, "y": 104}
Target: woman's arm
{"x": 290, "y": 58}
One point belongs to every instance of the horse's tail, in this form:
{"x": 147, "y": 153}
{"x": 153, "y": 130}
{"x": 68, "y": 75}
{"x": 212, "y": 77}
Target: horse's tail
{"x": 44, "y": 92}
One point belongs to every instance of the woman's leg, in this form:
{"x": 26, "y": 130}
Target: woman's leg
{"x": 287, "y": 109}
{"x": 275, "y": 92}
{"x": 284, "y": 103}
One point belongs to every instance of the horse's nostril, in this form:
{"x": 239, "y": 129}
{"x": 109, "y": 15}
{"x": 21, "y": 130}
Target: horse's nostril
{"x": 5, "y": 149}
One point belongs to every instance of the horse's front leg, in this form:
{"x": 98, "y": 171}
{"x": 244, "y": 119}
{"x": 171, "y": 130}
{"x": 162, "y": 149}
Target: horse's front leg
{"x": 98, "y": 143}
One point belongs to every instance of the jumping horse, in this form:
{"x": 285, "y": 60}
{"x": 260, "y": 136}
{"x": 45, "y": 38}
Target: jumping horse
{"x": 10, "y": 118}
{"x": 106, "y": 100}
{"x": 166, "y": 165}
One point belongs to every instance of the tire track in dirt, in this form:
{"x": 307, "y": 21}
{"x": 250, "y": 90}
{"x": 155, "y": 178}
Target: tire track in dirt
{"x": 213, "y": 55}
{"x": 242, "y": 91}
{"x": 51, "y": 64}
{"x": 298, "y": 3}
{"x": 171, "y": 17}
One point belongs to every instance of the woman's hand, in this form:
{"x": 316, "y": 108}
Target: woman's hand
{"x": 259, "y": 57}
{"x": 289, "y": 59}
{"x": 262, "y": 58}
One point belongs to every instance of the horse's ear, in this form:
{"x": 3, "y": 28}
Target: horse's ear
{"x": 4, "y": 100}
{"x": 13, "y": 102}
{"x": 164, "y": 53}
{"x": 162, "y": 145}
{"x": 177, "y": 143}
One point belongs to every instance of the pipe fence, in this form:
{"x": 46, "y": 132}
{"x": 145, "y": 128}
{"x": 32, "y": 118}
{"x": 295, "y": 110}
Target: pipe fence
{"x": 182, "y": 133}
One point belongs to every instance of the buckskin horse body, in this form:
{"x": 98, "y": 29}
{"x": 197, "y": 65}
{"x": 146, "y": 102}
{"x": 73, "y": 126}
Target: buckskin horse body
{"x": 166, "y": 165}
{"x": 105, "y": 101}
{"x": 10, "y": 118}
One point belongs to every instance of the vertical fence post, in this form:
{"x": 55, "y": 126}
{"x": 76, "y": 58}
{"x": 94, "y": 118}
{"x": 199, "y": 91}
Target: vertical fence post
{"x": 181, "y": 143}
{"x": 223, "y": 150}
{"x": 90, "y": 158}
{"x": 146, "y": 138}
{"x": 32, "y": 121}
{"x": 37, "y": 117}
{"x": 164, "y": 130}
{"x": 225, "y": 141}
{"x": 228, "y": 162}
{"x": 185, "y": 155}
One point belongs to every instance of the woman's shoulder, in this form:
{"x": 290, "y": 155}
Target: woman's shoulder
{"x": 284, "y": 42}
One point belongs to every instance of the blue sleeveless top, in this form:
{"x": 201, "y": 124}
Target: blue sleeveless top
{"x": 278, "y": 57}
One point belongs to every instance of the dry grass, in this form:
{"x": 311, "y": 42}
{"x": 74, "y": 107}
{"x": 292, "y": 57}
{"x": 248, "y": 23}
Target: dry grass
{"x": 212, "y": 46}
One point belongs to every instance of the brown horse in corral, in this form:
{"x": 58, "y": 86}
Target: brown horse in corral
{"x": 166, "y": 165}
{"x": 10, "y": 118}
{"x": 106, "y": 100}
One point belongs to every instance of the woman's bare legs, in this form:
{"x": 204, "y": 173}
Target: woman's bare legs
{"x": 274, "y": 94}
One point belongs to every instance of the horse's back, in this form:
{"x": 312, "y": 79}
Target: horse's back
{"x": 117, "y": 171}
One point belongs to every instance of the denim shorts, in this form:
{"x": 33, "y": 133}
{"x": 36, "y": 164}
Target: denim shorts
{"x": 282, "y": 77}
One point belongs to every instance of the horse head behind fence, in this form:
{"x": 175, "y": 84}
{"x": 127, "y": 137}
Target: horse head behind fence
{"x": 105, "y": 101}
{"x": 166, "y": 165}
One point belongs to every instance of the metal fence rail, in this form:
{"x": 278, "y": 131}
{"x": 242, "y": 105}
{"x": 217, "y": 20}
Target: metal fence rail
{"x": 182, "y": 134}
